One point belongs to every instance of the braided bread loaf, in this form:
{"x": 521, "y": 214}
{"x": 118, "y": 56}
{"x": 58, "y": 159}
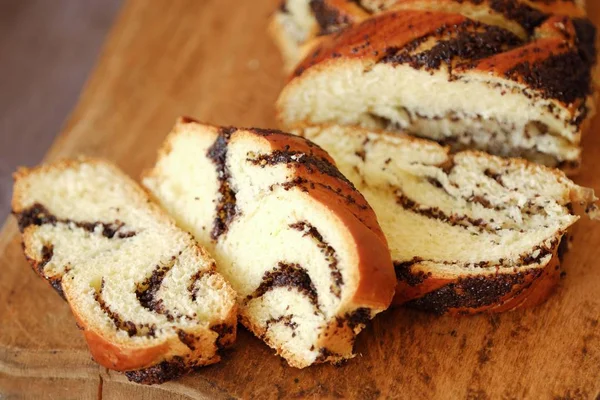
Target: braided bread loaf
{"x": 468, "y": 232}
{"x": 298, "y": 243}
{"x": 510, "y": 77}
{"x": 144, "y": 294}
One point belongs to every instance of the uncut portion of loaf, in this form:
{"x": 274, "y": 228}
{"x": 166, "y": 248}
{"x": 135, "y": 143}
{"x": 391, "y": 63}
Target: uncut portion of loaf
{"x": 298, "y": 243}
{"x": 298, "y": 25}
{"x": 147, "y": 298}
{"x": 512, "y": 78}
{"x": 468, "y": 232}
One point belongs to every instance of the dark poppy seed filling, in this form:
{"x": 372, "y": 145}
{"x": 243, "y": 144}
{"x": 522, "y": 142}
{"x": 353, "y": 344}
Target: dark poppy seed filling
{"x": 528, "y": 17}
{"x": 586, "y": 39}
{"x": 304, "y": 185}
{"x": 187, "y": 338}
{"x": 283, "y": 7}
{"x": 495, "y": 176}
{"x": 479, "y": 199}
{"x": 160, "y": 373}
{"x": 330, "y": 19}
{"x": 565, "y": 77}
{"x": 497, "y": 143}
{"x": 39, "y": 215}
{"x": 467, "y": 46}
{"x": 292, "y": 276}
{"x": 357, "y": 318}
{"x": 529, "y": 208}
{"x": 312, "y": 163}
{"x": 130, "y": 327}
{"x": 404, "y": 273}
{"x": 287, "y": 320}
{"x": 226, "y": 204}
{"x": 223, "y": 331}
{"x": 473, "y": 292}
{"x": 55, "y": 281}
{"x": 47, "y": 254}
{"x": 195, "y": 278}
{"x": 328, "y": 251}
{"x": 57, "y": 285}
{"x": 463, "y": 221}
{"x": 147, "y": 290}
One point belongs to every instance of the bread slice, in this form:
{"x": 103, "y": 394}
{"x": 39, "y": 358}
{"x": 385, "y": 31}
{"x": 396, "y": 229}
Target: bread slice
{"x": 145, "y": 295}
{"x": 468, "y": 232}
{"x": 456, "y": 80}
{"x": 298, "y": 243}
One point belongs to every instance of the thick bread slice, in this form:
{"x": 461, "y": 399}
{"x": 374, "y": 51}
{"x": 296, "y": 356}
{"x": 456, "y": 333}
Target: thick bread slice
{"x": 459, "y": 81}
{"x": 298, "y": 243}
{"x": 145, "y": 295}
{"x": 468, "y": 232}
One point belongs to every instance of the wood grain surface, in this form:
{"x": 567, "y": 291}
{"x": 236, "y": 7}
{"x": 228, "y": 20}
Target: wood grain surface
{"x": 213, "y": 60}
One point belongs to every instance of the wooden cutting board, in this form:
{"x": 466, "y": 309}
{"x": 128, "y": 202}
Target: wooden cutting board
{"x": 212, "y": 59}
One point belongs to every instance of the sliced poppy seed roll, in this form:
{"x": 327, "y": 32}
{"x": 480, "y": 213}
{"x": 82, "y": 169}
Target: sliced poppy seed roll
{"x": 298, "y": 243}
{"x": 147, "y": 298}
{"x": 468, "y": 232}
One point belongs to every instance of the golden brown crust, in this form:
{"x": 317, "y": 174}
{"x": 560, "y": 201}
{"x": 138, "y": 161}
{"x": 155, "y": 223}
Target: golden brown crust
{"x": 371, "y": 39}
{"x": 206, "y": 344}
{"x": 543, "y": 65}
{"x": 118, "y": 358}
{"x": 423, "y": 288}
{"x": 376, "y": 283}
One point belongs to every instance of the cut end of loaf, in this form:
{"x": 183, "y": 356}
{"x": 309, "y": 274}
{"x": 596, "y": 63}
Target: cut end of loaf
{"x": 524, "y": 100}
{"x": 146, "y": 297}
{"x": 297, "y": 241}
{"x": 468, "y": 232}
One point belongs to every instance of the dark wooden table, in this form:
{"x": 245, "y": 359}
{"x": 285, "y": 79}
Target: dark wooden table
{"x": 47, "y": 49}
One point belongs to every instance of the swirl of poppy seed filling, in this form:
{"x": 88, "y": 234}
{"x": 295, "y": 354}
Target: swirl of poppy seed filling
{"x": 39, "y": 215}
{"x": 329, "y": 252}
{"x": 292, "y": 276}
{"x": 490, "y": 229}
{"x": 226, "y": 205}
{"x": 285, "y": 274}
{"x": 146, "y": 291}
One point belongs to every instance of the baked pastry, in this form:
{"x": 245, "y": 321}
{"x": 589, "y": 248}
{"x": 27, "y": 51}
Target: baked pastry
{"x": 468, "y": 232}
{"x": 298, "y": 243}
{"x": 510, "y": 78}
{"x": 145, "y": 295}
